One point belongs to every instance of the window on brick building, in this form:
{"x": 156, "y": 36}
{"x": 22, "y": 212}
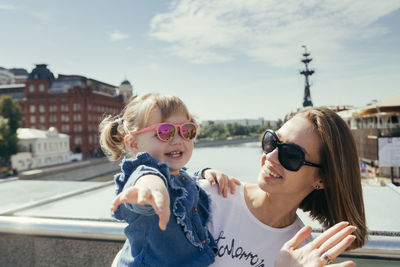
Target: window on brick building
{"x": 77, "y": 117}
{"x": 41, "y": 108}
{"x": 64, "y": 107}
{"x": 42, "y": 119}
{"x": 32, "y": 119}
{"x": 41, "y": 87}
{"x": 77, "y": 128}
{"x": 53, "y": 118}
{"x": 78, "y": 140}
{"x": 77, "y": 107}
{"x": 53, "y": 108}
{"x": 31, "y": 88}
{"x": 32, "y": 108}
{"x": 65, "y": 128}
{"x": 64, "y": 118}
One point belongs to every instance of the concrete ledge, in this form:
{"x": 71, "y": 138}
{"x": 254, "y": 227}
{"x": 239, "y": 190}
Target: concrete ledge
{"x": 26, "y": 250}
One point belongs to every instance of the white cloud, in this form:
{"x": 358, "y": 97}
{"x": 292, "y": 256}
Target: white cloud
{"x": 118, "y": 36}
{"x": 203, "y": 31}
{"x": 7, "y": 6}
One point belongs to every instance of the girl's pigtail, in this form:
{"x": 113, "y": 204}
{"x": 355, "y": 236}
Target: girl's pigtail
{"x": 112, "y": 137}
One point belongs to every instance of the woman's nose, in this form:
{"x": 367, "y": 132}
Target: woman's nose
{"x": 273, "y": 156}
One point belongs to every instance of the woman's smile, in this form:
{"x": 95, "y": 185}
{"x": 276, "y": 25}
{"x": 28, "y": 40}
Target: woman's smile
{"x": 270, "y": 173}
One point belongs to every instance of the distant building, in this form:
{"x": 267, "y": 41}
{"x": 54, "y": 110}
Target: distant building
{"x": 37, "y": 148}
{"x": 16, "y": 91}
{"x": 12, "y": 83}
{"x": 12, "y": 76}
{"x": 371, "y": 123}
{"x": 20, "y": 74}
{"x": 6, "y": 77}
{"x": 243, "y": 122}
{"x": 73, "y": 104}
{"x": 126, "y": 90}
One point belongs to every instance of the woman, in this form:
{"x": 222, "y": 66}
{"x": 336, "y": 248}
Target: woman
{"x": 310, "y": 163}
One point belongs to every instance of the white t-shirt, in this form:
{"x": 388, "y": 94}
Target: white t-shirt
{"x": 242, "y": 239}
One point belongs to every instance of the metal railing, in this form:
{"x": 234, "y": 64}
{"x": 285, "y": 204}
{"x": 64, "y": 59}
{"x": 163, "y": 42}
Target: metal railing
{"x": 82, "y": 229}
{"x": 383, "y": 245}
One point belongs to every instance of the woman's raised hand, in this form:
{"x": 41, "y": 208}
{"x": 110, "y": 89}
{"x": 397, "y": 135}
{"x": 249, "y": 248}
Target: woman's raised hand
{"x": 149, "y": 189}
{"x": 224, "y": 181}
{"x": 319, "y": 252}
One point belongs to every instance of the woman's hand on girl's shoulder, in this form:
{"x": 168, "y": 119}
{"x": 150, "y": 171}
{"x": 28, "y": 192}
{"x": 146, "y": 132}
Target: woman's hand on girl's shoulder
{"x": 323, "y": 250}
{"x": 151, "y": 190}
{"x": 223, "y": 181}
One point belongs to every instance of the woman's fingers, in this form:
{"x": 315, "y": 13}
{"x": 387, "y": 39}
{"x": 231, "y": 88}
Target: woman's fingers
{"x": 317, "y": 242}
{"x": 319, "y": 252}
{"x": 331, "y": 254}
{"x": 299, "y": 238}
{"x": 337, "y": 238}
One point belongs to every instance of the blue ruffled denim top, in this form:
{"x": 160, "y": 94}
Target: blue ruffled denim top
{"x": 186, "y": 240}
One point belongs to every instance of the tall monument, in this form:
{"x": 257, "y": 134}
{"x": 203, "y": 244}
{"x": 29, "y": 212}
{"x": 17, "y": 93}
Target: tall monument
{"x": 306, "y": 72}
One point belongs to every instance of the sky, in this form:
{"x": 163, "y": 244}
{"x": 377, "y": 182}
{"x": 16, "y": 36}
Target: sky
{"x": 226, "y": 59}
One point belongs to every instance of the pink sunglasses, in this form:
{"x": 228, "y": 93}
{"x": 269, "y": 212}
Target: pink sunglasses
{"x": 166, "y": 130}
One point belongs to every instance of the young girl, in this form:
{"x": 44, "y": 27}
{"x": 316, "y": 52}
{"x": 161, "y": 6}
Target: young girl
{"x": 158, "y": 131}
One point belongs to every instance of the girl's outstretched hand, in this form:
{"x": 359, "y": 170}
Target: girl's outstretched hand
{"x": 319, "y": 252}
{"x": 149, "y": 189}
{"x": 224, "y": 181}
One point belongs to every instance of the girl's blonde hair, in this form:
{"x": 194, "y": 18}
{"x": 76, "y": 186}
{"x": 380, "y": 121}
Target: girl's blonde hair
{"x": 135, "y": 116}
{"x": 342, "y": 198}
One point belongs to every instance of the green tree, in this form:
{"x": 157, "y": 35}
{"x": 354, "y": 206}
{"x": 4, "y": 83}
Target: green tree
{"x": 10, "y": 120}
{"x": 237, "y": 129}
{"x": 213, "y": 130}
{"x": 11, "y": 110}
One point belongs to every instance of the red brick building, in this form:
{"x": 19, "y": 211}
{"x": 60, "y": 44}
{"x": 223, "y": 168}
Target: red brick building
{"x": 73, "y": 104}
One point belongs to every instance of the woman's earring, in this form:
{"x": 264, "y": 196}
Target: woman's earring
{"x": 316, "y": 187}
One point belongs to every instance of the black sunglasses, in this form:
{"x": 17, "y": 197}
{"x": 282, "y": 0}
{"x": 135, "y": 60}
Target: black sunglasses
{"x": 291, "y": 156}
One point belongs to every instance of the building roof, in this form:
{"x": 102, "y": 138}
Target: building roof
{"x": 19, "y": 71}
{"x": 29, "y": 133}
{"x": 41, "y": 72}
{"x": 126, "y": 82}
{"x": 390, "y": 105}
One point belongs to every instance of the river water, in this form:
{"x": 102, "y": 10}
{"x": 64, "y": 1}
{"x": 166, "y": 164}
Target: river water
{"x": 241, "y": 161}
